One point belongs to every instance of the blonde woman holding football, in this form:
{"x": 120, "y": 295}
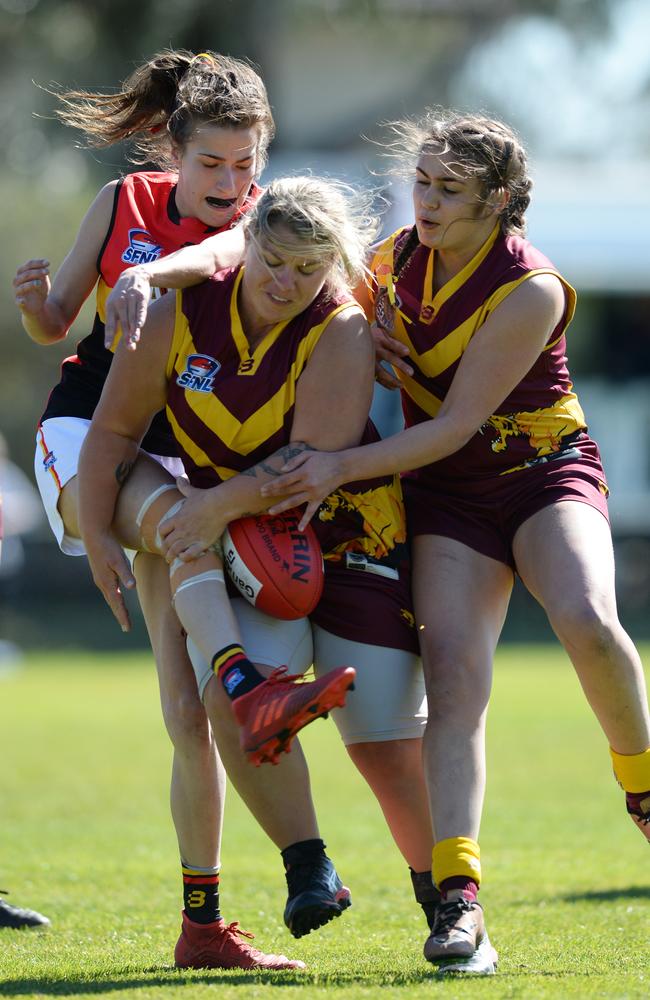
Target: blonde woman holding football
{"x": 272, "y": 331}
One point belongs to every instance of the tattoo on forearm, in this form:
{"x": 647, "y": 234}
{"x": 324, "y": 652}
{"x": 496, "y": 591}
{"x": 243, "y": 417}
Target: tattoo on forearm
{"x": 284, "y": 453}
{"x": 123, "y": 471}
{"x": 291, "y": 450}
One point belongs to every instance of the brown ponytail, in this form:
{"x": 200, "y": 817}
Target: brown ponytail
{"x": 162, "y": 102}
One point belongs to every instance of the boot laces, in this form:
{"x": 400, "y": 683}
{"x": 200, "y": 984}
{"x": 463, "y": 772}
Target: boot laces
{"x": 449, "y": 913}
{"x": 280, "y": 677}
{"x": 235, "y": 930}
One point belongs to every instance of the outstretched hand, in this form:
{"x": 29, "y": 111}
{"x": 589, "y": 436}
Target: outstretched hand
{"x": 391, "y": 351}
{"x": 111, "y": 572}
{"x": 194, "y": 528}
{"x": 306, "y": 479}
{"x": 127, "y": 306}
{"x": 32, "y": 286}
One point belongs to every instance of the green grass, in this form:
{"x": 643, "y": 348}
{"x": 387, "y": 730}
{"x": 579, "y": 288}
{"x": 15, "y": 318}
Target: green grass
{"x": 85, "y": 836}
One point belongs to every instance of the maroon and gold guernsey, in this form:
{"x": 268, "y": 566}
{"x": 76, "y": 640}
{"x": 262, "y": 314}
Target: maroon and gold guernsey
{"x": 145, "y": 225}
{"x": 542, "y": 413}
{"x": 229, "y": 408}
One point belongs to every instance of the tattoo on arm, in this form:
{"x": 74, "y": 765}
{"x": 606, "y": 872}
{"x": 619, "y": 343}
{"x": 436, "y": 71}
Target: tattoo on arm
{"x": 123, "y": 471}
{"x": 284, "y": 453}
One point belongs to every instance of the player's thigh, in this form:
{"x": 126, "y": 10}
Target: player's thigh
{"x": 388, "y": 701}
{"x": 565, "y": 558}
{"x": 59, "y": 442}
{"x": 461, "y": 598}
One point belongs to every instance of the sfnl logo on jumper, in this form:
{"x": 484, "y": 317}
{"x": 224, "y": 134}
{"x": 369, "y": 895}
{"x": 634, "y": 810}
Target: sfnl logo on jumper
{"x": 199, "y": 373}
{"x": 141, "y": 249}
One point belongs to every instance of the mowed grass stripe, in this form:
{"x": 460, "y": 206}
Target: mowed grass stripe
{"x": 85, "y": 836}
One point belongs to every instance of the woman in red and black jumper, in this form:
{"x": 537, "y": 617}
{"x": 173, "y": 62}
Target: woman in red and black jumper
{"x": 206, "y": 121}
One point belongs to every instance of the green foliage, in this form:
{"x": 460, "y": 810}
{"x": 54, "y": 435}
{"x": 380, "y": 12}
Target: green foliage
{"x": 86, "y": 838}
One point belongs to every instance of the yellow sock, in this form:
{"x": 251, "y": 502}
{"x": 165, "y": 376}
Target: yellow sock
{"x": 456, "y": 856}
{"x": 632, "y": 771}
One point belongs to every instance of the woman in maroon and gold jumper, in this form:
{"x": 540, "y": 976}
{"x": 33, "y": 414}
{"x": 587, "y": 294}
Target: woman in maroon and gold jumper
{"x": 507, "y": 478}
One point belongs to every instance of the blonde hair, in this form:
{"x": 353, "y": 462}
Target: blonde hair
{"x": 328, "y": 218}
{"x": 160, "y": 105}
{"x": 482, "y": 147}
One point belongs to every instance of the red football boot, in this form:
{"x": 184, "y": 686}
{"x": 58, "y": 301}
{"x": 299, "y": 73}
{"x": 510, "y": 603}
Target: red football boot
{"x": 272, "y": 713}
{"x": 219, "y": 945}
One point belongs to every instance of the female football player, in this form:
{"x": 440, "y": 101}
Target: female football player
{"x": 272, "y": 333}
{"x": 507, "y": 479}
{"x": 206, "y": 121}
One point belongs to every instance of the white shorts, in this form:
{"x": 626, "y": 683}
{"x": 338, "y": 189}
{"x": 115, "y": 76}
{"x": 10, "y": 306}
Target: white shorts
{"x": 58, "y": 445}
{"x": 388, "y": 701}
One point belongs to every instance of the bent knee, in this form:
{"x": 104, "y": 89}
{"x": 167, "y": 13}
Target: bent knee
{"x": 393, "y": 762}
{"x": 457, "y": 677}
{"x": 186, "y": 722}
{"x": 588, "y": 627}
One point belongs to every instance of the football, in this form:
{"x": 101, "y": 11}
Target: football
{"x": 276, "y": 567}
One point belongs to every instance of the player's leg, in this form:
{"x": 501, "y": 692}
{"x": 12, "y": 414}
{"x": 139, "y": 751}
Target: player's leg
{"x": 270, "y": 710}
{"x": 461, "y": 598}
{"x": 382, "y": 726}
{"x": 279, "y": 797}
{"x": 198, "y": 779}
{"x": 198, "y": 784}
{"x": 565, "y": 557}
{"x": 198, "y": 787}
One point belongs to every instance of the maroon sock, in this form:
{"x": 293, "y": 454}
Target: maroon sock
{"x": 638, "y": 804}
{"x": 467, "y": 885}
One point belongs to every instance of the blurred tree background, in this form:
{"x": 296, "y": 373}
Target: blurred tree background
{"x": 572, "y": 75}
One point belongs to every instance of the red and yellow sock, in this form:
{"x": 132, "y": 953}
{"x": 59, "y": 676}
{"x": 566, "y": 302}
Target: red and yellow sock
{"x": 235, "y": 671}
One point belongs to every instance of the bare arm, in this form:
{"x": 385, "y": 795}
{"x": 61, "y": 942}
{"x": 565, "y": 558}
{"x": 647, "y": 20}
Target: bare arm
{"x": 136, "y": 389}
{"x": 332, "y": 402}
{"x": 128, "y": 302}
{"x": 497, "y": 358}
{"x": 49, "y": 308}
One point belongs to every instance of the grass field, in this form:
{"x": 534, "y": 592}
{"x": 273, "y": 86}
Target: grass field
{"x": 85, "y": 836}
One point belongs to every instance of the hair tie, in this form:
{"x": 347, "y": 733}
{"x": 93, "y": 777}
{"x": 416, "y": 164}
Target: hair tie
{"x": 204, "y": 55}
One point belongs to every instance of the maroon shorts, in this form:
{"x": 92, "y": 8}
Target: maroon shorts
{"x": 485, "y": 513}
{"x": 363, "y": 607}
